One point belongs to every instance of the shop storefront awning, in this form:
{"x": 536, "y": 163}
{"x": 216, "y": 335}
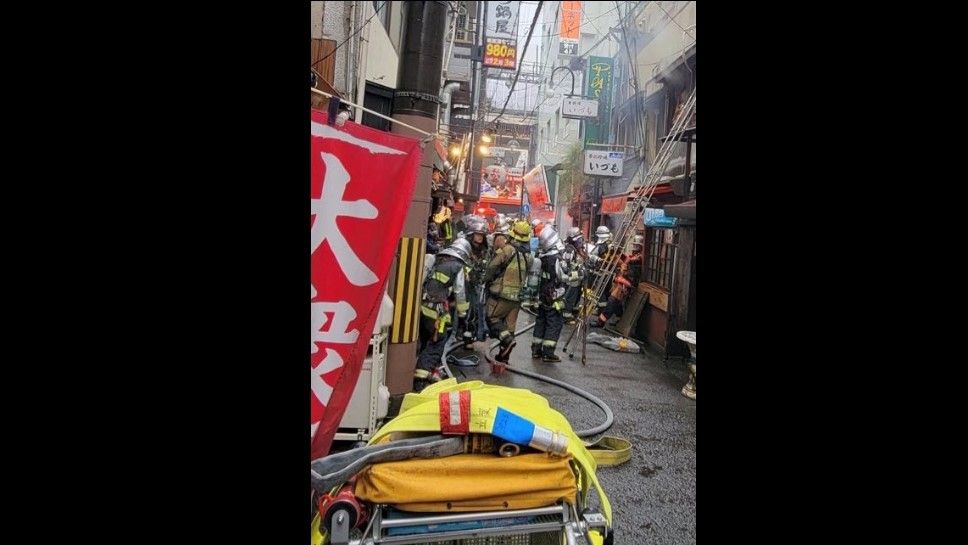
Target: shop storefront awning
{"x": 685, "y": 210}
{"x": 615, "y": 204}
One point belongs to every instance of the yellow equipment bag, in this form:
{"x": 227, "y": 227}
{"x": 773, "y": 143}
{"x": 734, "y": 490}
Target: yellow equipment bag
{"x": 470, "y": 482}
{"x": 422, "y": 412}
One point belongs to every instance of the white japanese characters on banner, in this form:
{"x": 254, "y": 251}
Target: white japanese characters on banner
{"x": 362, "y": 180}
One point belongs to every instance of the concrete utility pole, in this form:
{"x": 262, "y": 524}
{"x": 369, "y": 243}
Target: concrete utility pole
{"x": 415, "y": 103}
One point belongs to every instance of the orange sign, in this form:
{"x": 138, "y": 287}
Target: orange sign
{"x": 570, "y": 30}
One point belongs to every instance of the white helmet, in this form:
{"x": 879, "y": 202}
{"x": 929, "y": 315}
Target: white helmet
{"x": 603, "y": 233}
{"x": 548, "y": 240}
{"x": 460, "y": 248}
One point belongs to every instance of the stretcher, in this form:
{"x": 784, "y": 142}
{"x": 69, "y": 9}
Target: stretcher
{"x": 468, "y": 464}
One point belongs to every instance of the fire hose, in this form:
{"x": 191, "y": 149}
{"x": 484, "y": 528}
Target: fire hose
{"x": 607, "y": 450}
{"x": 601, "y": 428}
{"x": 336, "y": 469}
{"x": 330, "y": 472}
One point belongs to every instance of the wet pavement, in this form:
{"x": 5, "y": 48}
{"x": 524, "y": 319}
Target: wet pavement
{"x": 653, "y": 495}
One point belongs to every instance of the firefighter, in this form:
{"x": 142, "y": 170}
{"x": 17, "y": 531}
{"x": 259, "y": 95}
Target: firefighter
{"x": 442, "y": 217}
{"x": 501, "y": 222}
{"x": 635, "y": 259}
{"x": 433, "y": 237}
{"x": 575, "y": 256}
{"x": 599, "y": 257}
{"x": 603, "y": 244}
{"x": 621, "y": 285}
{"x": 476, "y": 234}
{"x": 442, "y": 290}
{"x": 506, "y": 276}
{"x": 626, "y": 278}
{"x": 548, "y": 277}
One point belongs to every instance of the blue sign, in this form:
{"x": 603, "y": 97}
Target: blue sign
{"x": 662, "y": 222}
{"x": 655, "y": 217}
{"x": 526, "y": 209}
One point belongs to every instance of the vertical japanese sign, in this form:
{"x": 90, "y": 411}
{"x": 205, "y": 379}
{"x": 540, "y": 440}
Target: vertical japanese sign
{"x": 362, "y": 181}
{"x": 501, "y": 35}
{"x": 599, "y": 87}
{"x": 570, "y": 30}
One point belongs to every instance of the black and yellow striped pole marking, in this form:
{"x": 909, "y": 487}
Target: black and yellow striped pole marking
{"x": 406, "y": 300}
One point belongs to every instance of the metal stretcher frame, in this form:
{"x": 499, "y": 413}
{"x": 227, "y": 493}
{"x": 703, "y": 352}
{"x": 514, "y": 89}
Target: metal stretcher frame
{"x": 560, "y": 518}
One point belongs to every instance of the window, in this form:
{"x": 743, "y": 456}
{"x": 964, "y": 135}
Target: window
{"x": 660, "y": 258}
{"x": 379, "y": 99}
{"x": 465, "y": 30}
{"x": 462, "y": 27}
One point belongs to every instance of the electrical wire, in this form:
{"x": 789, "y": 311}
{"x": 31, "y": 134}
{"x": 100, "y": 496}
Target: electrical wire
{"x": 592, "y": 21}
{"x": 544, "y": 64}
{"x": 357, "y": 31}
{"x": 671, "y": 18}
{"x": 589, "y": 21}
{"x": 527, "y": 42}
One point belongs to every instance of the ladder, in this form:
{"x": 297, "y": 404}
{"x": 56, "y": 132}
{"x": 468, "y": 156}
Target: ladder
{"x": 647, "y": 184}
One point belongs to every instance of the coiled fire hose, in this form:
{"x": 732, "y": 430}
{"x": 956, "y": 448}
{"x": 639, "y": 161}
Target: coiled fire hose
{"x": 607, "y": 451}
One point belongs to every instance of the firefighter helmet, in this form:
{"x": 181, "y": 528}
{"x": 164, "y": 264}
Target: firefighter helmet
{"x": 476, "y": 224}
{"x": 521, "y": 231}
{"x": 460, "y": 248}
{"x": 548, "y": 239}
{"x": 603, "y": 233}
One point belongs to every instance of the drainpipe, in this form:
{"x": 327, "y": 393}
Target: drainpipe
{"x": 445, "y": 100}
{"x": 348, "y": 63}
{"x": 364, "y": 48}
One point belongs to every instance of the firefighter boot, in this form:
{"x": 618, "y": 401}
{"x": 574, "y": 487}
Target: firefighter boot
{"x": 507, "y": 345}
{"x": 548, "y": 353}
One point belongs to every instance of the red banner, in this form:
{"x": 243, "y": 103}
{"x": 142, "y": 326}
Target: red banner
{"x": 538, "y": 199}
{"x": 361, "y": 186}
